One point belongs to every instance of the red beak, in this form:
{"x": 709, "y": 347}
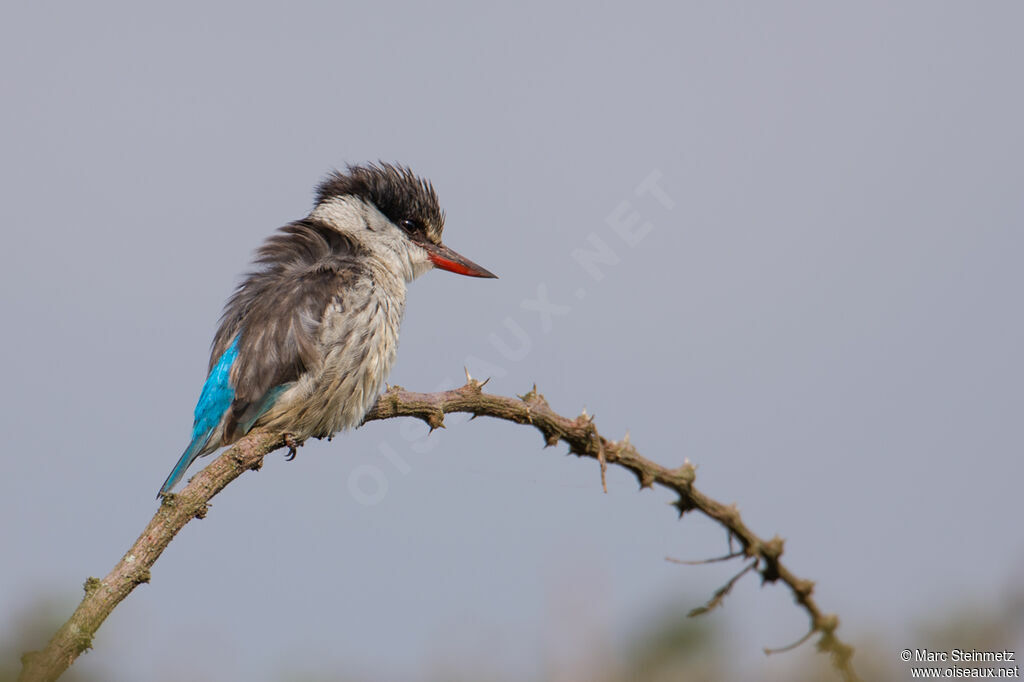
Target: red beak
{"x": 446, "y": 259}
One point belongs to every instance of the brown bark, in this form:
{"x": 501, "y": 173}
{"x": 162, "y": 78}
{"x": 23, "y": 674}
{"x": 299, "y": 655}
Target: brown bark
{"x": 580, "y": 434}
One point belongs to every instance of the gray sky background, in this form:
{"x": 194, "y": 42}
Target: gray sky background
{"x": 827, "y": 321}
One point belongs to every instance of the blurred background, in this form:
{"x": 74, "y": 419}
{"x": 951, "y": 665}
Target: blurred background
{"x": 781, "y": 241}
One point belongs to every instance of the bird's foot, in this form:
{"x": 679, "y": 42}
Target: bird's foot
{"x": 293, "y": 446}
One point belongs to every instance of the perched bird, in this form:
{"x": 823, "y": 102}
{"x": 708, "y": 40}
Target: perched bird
{"x": 307, "y": 339}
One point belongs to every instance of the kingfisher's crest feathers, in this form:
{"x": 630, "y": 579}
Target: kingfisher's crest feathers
{"x": 395, "y": 190}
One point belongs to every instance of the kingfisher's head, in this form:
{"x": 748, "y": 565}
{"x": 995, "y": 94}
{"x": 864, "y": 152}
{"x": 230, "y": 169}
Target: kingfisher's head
{"x": 387, "y": 207}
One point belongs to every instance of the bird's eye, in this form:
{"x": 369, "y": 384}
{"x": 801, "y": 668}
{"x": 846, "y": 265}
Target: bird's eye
{"x": 408, "y": 225}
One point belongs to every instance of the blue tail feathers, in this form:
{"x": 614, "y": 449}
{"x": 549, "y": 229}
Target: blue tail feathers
{"x": 189, "y": 456}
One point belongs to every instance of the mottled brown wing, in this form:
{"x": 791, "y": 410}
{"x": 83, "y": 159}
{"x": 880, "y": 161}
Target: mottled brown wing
{"x": 276, "y": 313}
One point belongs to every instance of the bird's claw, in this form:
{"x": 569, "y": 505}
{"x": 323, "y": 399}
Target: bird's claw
{"x": 293, "y": 447}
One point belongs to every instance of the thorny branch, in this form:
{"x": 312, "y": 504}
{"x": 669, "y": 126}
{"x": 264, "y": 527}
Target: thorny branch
{"x": 580, "y": 434}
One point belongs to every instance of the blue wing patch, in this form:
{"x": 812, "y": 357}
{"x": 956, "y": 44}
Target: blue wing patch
{"x": 217, "y": 393}
{"x": 214, "y": 401}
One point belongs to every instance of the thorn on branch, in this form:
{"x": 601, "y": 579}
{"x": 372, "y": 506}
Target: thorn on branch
{"x": 435, "y": 420}
{"x": 534, "y": 398}
{"x": 644, "y": 478}
{"x": 475, "y": 387}
{"x": 731, "y": 516}
{"x": 687, "y": 473}
{"x": 772, "y": 549}
{"x": 529, "y": 395}
{"x": 683, "y": 504}
{"x": 721, "y": 592}
{"x": 770, "y": 573}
